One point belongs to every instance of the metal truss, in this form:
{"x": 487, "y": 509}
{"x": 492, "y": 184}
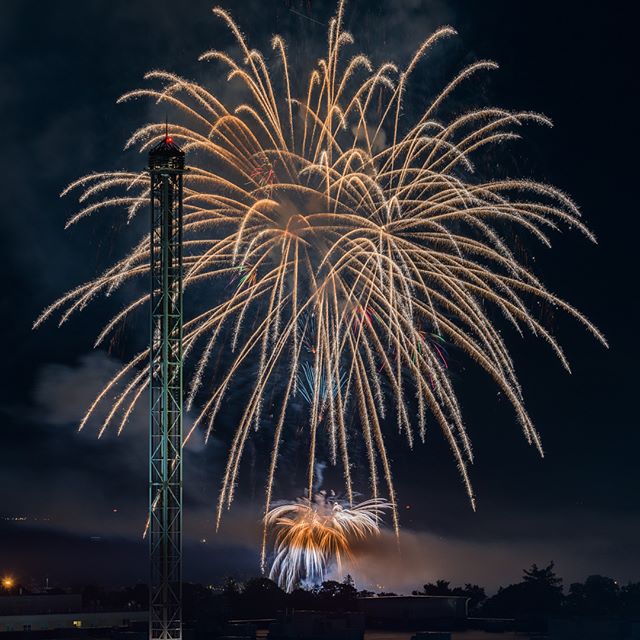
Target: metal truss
{"x": 166, "y": 167}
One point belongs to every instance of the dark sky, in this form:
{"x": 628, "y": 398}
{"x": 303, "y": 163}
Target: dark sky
{"x": 64, "y": 64}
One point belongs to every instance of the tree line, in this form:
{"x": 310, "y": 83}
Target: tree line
{"x": 539, "y": 594}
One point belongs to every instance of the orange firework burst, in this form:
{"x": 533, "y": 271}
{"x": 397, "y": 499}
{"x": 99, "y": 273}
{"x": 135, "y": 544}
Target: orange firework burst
{"x": 373, "y": 226}
{"x": 312, "y": 536}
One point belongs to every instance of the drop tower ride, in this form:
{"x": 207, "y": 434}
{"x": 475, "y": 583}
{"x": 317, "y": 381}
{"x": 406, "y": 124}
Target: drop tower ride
{"x": 166, "y": 168}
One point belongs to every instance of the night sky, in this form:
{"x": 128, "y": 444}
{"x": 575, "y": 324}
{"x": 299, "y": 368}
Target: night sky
{"x": 81, "y": 502}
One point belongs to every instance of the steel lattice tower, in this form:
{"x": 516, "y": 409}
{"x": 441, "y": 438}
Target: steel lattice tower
{"x": 166, "y": 166}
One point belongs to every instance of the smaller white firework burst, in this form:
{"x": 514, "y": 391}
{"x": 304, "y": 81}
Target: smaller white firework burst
{"x": 313, "y": 536}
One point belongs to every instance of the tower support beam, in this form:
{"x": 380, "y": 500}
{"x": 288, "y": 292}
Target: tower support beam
{"x": 166, "y": 167}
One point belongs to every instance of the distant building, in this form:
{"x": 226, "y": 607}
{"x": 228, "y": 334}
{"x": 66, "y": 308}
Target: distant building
{"x": 412, "y": 611}
{"x": 79, "y": 620}
{"x": 48, "y": 612}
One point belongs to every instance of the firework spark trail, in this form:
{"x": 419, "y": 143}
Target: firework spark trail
{"x": 295, "y": 197}
{"x": 327, "y": 387}
{"x": 310, "y": 537}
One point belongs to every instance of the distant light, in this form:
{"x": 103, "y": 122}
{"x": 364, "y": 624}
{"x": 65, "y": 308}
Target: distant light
{"x": 114, "y": 510}
{"x": 7, "y": 582}
{"x": 169, "y": 139}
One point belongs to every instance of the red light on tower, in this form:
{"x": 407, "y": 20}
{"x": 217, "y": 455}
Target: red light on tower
{"x": 168, "y": 139}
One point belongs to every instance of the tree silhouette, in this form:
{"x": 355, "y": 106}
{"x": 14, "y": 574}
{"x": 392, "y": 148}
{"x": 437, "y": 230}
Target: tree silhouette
{"x": 597, "y": 596}
{"x": 473, "y": 592}
{"x": 338, "y": 596}
{"x": 630, "y": 600}
{"x": 545, "y": 576}
{"x": 261, "y": 598}
{"x": 230, "y": 588}
{"x": 440, "y": 588}
{"x": 538, "y": 596}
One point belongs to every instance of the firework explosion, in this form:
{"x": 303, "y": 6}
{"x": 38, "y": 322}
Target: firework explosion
{"x": 352, "y": 247}
{"x": 310, "y": 536}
